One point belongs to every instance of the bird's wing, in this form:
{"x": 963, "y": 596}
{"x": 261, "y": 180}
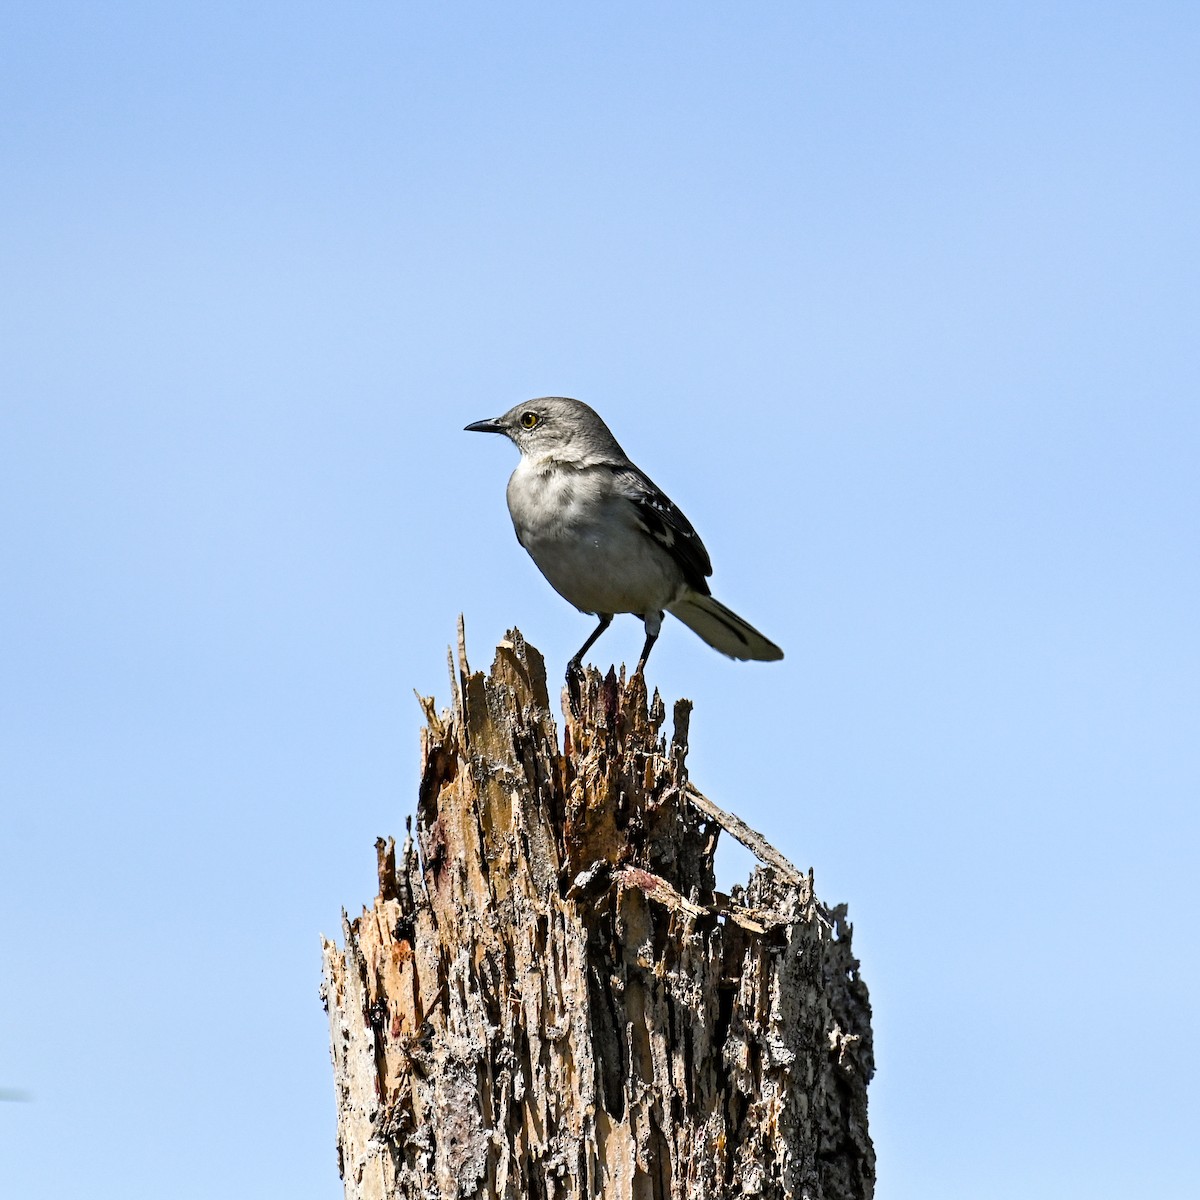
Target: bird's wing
{"x": 663, "y": 521}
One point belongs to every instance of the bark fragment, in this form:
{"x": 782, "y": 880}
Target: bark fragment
{"x": 549, "y": 998}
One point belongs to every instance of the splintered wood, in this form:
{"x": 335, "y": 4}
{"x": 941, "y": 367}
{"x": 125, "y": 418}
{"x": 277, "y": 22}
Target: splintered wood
{"x": 550, "y": 999}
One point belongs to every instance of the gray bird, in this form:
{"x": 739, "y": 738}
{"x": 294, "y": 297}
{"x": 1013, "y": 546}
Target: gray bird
{"x": 605, "y": 537}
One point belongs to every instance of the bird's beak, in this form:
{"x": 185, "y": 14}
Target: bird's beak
{"x": 491, "y": 425}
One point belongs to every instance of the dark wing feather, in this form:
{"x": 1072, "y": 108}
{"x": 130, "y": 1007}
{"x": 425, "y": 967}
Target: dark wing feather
{"x": 663, "y": 521}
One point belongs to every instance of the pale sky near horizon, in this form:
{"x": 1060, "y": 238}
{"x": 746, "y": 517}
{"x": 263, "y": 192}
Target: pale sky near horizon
{"x": 898, "y": 303}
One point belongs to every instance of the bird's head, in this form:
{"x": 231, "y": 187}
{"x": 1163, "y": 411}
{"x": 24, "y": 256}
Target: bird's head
{"x": 555, "y": 427}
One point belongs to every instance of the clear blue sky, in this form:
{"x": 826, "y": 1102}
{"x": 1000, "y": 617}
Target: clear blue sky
{"x": 898, "y": 302}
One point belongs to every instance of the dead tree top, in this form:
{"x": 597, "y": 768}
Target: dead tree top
{"x": 551, "y": 998}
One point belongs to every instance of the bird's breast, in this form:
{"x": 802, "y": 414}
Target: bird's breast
{"x": 550, "y": 506}
{"x": 583, "y": 537}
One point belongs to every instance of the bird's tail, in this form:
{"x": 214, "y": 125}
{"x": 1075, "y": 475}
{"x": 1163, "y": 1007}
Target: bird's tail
{"x": 722, "y": 629}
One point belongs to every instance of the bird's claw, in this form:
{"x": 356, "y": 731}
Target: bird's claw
{"x": 574, "y": 691}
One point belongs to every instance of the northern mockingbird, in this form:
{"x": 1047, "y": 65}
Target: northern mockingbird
{"x": 605, "y": 537}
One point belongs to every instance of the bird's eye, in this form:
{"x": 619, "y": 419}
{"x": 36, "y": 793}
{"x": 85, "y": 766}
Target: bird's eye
{"x": 529, "y": 420}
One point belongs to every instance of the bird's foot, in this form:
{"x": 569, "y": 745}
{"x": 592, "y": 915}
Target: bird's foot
{"x": 574, "y": 689}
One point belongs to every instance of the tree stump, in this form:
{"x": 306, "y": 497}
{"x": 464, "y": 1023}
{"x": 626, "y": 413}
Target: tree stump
{"x": 552, "y": 1000}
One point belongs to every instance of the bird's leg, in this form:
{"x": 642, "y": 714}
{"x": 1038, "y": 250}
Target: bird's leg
{"x": 575, "y": 666}
{"x": 651, "y": 638}
{"x": 653, "y": 627}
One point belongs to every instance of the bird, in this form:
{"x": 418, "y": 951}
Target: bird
{"x": 606, "y": 538}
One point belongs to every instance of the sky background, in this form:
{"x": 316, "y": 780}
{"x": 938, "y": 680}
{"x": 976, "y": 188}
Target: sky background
{"x": 898, "y": 302}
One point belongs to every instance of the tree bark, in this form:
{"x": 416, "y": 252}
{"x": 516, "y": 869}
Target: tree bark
{"x": 552, "y": 1000}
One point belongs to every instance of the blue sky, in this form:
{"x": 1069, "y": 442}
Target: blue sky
{"x": 899, "y": 303}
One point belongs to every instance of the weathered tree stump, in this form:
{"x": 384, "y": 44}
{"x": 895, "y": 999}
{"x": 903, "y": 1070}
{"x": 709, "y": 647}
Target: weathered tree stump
{"x": 552, "y": 1000}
